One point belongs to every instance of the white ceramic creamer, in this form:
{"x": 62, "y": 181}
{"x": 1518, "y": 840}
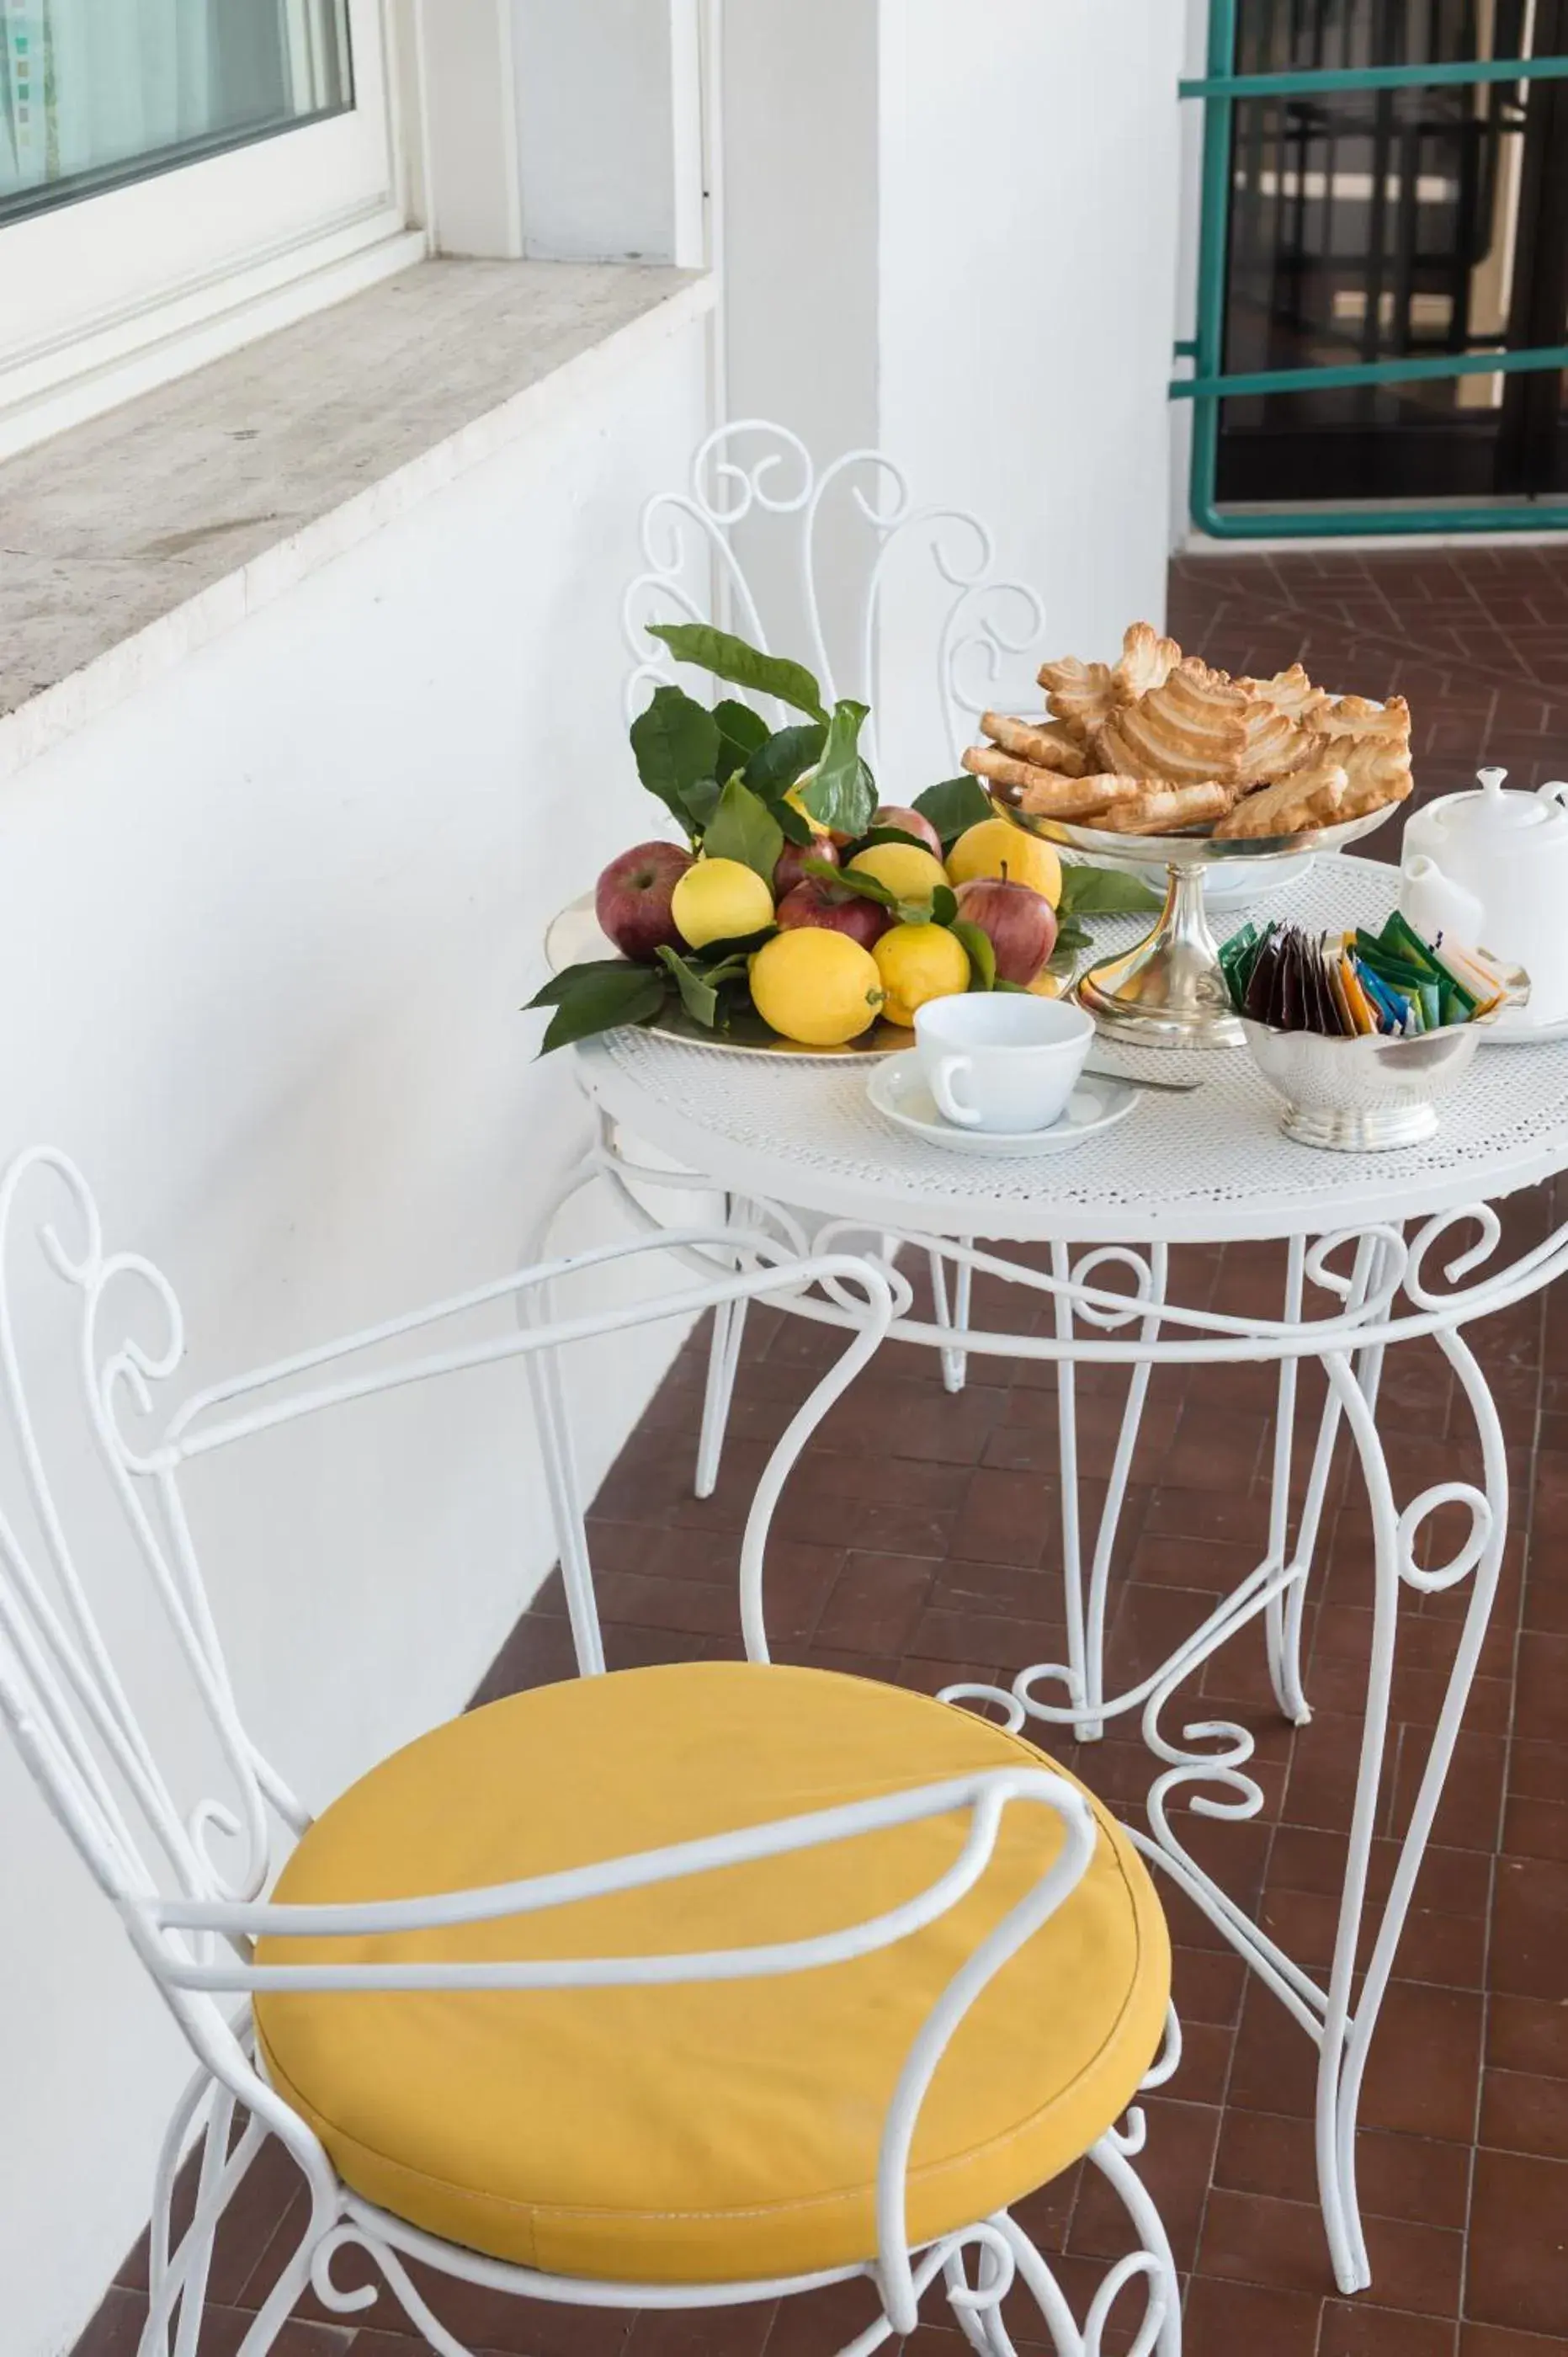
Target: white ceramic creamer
{"x": 1492, "y": 869}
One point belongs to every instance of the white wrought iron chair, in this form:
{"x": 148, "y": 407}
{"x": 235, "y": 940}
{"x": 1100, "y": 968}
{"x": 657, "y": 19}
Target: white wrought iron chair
{"x": 764, "y": 543}
{"x": 508, "y": 2006}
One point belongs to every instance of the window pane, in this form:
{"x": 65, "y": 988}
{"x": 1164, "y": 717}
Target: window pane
{"x": 97, "y": 93}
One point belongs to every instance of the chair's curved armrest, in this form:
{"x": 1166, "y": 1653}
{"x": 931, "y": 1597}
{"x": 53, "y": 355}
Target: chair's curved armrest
{"x": 782, "y": 1271}
{"x": 984, "y": 1794}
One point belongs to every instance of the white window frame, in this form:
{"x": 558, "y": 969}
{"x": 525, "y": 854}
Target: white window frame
{"x": 105, "y": 296}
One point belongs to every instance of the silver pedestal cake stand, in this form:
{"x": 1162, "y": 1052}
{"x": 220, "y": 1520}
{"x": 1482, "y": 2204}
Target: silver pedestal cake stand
{"x": 1169, "y": 991}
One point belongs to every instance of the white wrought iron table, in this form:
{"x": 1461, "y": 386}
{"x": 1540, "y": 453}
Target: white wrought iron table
{"x": 1377, "y": 1249}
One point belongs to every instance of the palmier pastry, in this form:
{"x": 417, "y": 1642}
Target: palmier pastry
{"x": 1275, "y": 744}
{"x": 1313, "y": 798}
{"x": 1081, "y": 694}
{"x": 1045, "y": 742}
{"x": 1353, "y": 716}
{"x": 1289, "y": 692}
{"x": 1161, "y": 809}
{"x": 1192, "y": 731}
{"x": 1147, "y": 662}
{"x": 1048, "y": 790}
{"x": 1378, "y": 770}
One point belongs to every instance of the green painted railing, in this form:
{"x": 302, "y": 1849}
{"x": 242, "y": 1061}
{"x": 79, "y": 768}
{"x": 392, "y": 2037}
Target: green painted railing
{"x": 1218, "y": 88}
{"x": 1325, "y": 78}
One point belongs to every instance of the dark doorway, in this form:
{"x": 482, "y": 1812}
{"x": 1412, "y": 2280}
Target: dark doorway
{"x": 1374, "y": 225}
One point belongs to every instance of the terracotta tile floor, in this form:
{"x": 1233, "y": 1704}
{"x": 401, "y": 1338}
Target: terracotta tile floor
{"x": 916, "y": 1544}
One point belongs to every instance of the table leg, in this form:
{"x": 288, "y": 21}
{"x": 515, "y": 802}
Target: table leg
{"x": 1085, "y": 1615}
{"x": 1340, "y": 2022}
{"x": 1374, "y": 1267}
{"x": 955, "y": 1363}
{"x": 723, "y": 1357}
{"x": 1347, "y": 2028}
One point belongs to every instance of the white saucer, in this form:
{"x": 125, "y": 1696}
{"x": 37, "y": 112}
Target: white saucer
{"x": 897, "y": 1089}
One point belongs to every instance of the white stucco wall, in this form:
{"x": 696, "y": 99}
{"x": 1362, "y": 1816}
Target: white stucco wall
{"x": 264, "y": 931}
{"x": 961, "y": 246}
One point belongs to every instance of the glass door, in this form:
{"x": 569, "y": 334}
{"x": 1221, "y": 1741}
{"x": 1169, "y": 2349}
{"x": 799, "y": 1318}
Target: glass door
{"x": 1372, "y": 220}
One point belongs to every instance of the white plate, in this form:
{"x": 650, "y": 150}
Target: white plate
{"x": 1228, "y": 886}
{"x": 897, "y": 1089}
{"x": 573, "y": 935}
{"x": 1515, "y": 1031}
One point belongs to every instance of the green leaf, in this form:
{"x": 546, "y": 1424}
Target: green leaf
{"x": 561, "y": 985}
{"x": 739, "y": 947}
{"x": 955, "y": 806}
{"x": 944, "y": 905}
{"x": 730, "y": 658}
{"x": 599, "y": 997}
{"x": 852, "y": 880}
{"x": 698, "y": 995}
{"x": 1071, "y": 937}
{"x": 794, "y": 828}
{"x": 982, "y": 954}
{"x": 1104, "y": 892}
{"x": 742, "y": 733}
{"x": 744, "y": 828}
{"x": 701, "y": 801}
{"x": 788, "y": 753}
{"x": 733, "y": 968}
{"x": 738, "y": 1019}
{"x": 676, "y": 741}
{"x": 843, "y": 794}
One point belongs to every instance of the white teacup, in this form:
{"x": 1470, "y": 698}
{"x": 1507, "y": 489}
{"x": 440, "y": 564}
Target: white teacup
{"x": 1001, "y": 1060}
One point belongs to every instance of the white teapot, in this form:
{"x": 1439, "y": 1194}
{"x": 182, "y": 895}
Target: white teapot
{"x": 1491, "y": 869}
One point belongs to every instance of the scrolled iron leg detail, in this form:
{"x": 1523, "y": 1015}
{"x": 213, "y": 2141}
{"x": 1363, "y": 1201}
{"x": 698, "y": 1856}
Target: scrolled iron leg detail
{"x": 1004, "y": 2256}
{"x": 1347, "y": 2030}
{"x": 1340, "y": 2021}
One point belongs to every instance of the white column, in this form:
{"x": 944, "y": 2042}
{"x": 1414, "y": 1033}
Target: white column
{"x": 950, "y": 231}
{"x": 1029, "y": 164}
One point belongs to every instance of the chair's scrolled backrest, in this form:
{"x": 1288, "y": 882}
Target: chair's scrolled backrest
{"x": 892, "y": 602}
{"x": 97, "y": 1563}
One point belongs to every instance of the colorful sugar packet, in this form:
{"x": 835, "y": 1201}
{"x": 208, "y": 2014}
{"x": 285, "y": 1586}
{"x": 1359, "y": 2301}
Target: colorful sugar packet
{"x": 1348, "y": 985}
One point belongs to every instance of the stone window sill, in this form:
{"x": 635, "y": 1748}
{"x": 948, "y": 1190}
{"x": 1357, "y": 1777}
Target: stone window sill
{"x": 129, "y": 541}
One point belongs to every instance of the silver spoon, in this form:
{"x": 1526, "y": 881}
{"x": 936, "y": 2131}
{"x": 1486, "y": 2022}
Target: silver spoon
{"x": 1139, "y": 1081}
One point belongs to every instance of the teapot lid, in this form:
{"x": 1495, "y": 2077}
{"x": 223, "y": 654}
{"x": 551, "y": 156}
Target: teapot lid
{"x": 1492, "y": 812}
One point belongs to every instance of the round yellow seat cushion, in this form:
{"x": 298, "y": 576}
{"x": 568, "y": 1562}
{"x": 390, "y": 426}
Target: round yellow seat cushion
{"x": 704, "y": 2132}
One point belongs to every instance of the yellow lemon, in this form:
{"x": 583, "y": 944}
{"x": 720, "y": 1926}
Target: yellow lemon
{"x": 997, "y": 847}
{"x": 904, "y": 868}
{"x": 720, "y": 901}
{"x": 816, "y": 987}
{"x": 918, "y": 963}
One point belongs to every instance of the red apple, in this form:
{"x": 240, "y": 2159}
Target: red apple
{"x": 790, "y": 868}
{"x": 817, "y": 903}
{"x": 909, "y": 821}
{"x": 1020, "y": 924}
{"x": 631, "y": 900}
